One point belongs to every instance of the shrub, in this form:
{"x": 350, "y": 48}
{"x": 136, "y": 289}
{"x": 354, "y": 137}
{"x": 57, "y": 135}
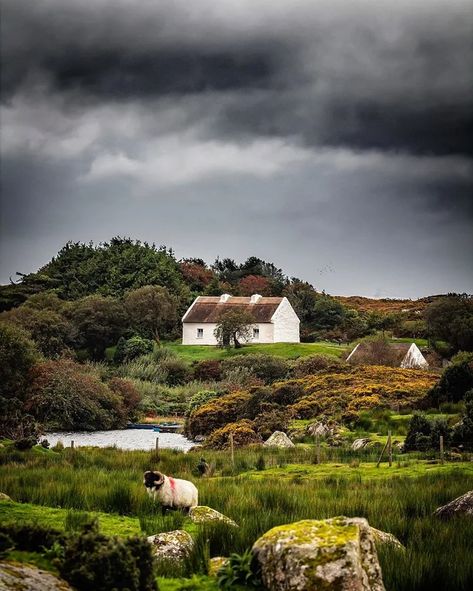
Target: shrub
{"x": 6, "y": 544}
{"x": 128, "y": 394}
{"x": 455, "y": 381}
{"x": 267, "y": 368}
{"x": 270, "y": 420}
{"x": 424, "y": 434}
{"x": 94, "y": 561}
{"x": 462, "y": 432}
{"x": 208, "y": 370}
{"x": 31, "y": 537}
{"x": 243, "y": 434}
{"x": 25, "y": 443}
{"x": 65, "y": 396}
{"x": 200, "y": 399}
{"x": 312, "y": 364}
{"x": 135, "y": 347}
{"x": 216, "y": 413}
{"x": 175, "y": 371}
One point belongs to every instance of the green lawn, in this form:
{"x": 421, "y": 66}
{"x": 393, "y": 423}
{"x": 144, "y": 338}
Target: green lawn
{"x": 55, "y": 518}
{"x": 288, "y": 350}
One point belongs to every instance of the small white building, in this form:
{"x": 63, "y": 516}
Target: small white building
{"x": 405, "y": 355}
{"x": 275, "y": 319}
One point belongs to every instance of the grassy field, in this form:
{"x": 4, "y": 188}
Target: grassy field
{"x": 287, "y": 350}
{"x": 289, "y": 486}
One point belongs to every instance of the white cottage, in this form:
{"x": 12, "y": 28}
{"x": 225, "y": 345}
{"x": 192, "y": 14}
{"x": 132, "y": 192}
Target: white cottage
{"x": 275, "y": 319}
{"x": 405, "y": 355}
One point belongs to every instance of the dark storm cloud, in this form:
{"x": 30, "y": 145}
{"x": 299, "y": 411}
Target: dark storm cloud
{"x": 365, "y": 75}
{"x": 303, "y": 131}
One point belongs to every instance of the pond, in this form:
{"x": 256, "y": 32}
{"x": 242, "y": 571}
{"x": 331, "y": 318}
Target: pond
{"x": 122, "y": 438}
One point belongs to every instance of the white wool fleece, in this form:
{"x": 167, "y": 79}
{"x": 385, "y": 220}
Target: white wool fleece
{"x": 176, "y": 492}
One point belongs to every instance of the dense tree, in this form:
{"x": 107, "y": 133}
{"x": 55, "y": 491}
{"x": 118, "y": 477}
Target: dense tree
{"x": 254, "y": 284}
{"x": 111, "y": 269}
{"x": 99, "y": 321}
{"x": 153, "y": 311}
{"x": 17, "y": 356}
{"x": 233, "y": 327}
{"x": 462, "y": 432}
{"x": 50, "y": 330}
{"x": 196, "y": 274}
{"x": 451, "y": 319}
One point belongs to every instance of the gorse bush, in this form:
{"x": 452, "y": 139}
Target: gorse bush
{"x": 94, "y": 561}
{"x": 267, "y": 368}
{"x": 243, "y": 433}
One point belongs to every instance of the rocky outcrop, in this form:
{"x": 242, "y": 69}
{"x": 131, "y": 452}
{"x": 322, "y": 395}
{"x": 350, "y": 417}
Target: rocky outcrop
{"x": 336, "y": 553}
{"x": 383, "y": 537}
{"x": 360, "y": 443}
{"x": 329, "y": 429}
{"x": 278, "y": 439}
{"x": 215, "y": 564}
{"x": 460, "y": 506}
{"x": 20, "y": 577}
{"x": 172, "y": 545}
{"x": 202, "y": 514}
{"x": 4, "y": 497}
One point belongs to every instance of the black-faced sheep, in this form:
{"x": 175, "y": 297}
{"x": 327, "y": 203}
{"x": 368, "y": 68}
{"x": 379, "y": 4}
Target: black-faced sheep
{"x": 171, "y": 493}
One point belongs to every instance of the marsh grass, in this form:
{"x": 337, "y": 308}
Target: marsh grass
{"x": 399, "y": 500}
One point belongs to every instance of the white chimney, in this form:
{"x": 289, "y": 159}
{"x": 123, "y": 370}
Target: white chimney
{"x": 255, "y": 298}
{"x": 224, "y": 298}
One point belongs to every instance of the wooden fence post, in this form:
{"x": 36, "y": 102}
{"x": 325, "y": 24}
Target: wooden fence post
{"x": 232, "y": 451}
{"x": 390, "y": 450}
{"x": 382, "y": 453}
{"x": 157, "y": 445}
{"x": 317, "y": 448}
{"x": 442, "y": 457}
{"x": 72, "y": 444}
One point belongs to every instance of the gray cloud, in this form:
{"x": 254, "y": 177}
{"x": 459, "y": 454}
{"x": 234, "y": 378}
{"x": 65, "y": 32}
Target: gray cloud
{"x": 221, "y": 127}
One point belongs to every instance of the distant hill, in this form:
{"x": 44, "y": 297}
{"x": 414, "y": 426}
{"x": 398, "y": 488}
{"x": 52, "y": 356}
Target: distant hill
{"x": 387, "y": 305}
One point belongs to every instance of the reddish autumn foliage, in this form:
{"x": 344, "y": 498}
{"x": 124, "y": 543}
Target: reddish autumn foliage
{"x": 127, "y": 392}
{"x": 195, "y": 275}
{"x": 254, "y": 284}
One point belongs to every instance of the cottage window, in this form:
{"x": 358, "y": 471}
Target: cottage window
{"x": 200, "y": 333}
{"x": 256, "y": 333}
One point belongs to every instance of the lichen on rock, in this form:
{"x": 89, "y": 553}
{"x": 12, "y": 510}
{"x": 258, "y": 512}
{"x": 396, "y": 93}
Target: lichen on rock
{"x": 336, "y": 553}
{"x": 203, "y": 514}
{"x": 215, "y": 564}
{"x": 278, "y": 439}
{"x": 383, "y": 537}
{"x": 172, "y": 545}
{"x": 23, "y": 577}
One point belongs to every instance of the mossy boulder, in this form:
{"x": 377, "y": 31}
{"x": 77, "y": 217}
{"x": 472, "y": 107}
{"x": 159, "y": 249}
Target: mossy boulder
{"x": 278, "y": 439}
{"x": 172, "y": 545}
{"x": 4, "y": 497}
{"x": 215, "y": 564}
{"x": 22, "y": 577}
{"x": 338, "y": 554}
{"x": 202, "y": 514}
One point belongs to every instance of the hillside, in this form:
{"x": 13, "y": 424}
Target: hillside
{"x": 387, "y": 305}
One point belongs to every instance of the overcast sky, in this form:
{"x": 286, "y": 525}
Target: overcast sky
{"x": 331, "y": 137}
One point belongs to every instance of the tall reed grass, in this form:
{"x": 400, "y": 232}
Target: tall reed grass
{"x": 438, "y": 554}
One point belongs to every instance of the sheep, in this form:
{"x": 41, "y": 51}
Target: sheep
{"x": 171, "y": 493}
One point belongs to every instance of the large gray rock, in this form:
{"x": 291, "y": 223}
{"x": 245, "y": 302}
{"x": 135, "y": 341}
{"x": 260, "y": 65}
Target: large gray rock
{"x": 202, "y": 514}
{"x": 172, "y": 545}
{"x": 20, "y": 577}
{"x": 278, "y": 439}
{"x": 336, "y": 553}
{"x": 329, "y": 429}
{"x": 460, "y": 506}
{"x": 4, "y": 497}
